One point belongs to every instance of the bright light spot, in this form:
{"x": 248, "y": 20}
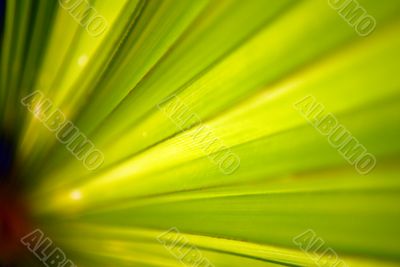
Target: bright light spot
{"x": 144, "y": 134}
{"x": 82, "y": 60}
{"x": 37, "y": 111}
{"x": 76, "y": 195}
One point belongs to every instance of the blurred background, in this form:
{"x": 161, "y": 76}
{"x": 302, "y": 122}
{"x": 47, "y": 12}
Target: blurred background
{"x": 121, "y": 120}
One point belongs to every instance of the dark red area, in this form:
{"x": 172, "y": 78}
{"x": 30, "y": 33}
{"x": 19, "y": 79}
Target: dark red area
{"x": 13, "y": 224}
